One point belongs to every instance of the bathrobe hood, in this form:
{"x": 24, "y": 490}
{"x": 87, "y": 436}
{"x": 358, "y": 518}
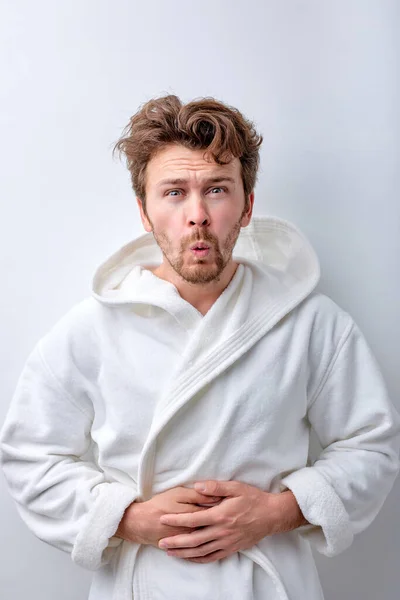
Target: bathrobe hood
{"x": 274, "y": 246}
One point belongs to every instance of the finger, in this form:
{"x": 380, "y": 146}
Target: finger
{"x": 201, "y": 518}
{"x": 190, "y": 540}
{"x": 197, "y": 507}
{"x": 191, "y": 496}
{"x": 172, "y": 531}
{"x": 199, "y": 551}
{"x": 212, "y": 557}
{"x": 212, "y": 487}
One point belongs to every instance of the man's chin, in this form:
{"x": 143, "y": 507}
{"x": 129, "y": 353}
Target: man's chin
{"x": 200, "y": 273}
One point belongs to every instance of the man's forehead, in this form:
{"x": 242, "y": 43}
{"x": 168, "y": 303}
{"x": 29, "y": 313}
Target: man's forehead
{"x": 179, "y": 166}
{"x": 209, "y": 178}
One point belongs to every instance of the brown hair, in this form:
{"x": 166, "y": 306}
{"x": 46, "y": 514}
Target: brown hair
{"x": 204, "y": 123}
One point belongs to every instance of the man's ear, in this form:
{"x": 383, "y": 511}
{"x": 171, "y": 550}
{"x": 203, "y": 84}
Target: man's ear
{"x": 145, "y": 221}
{"x": 245, "y": 220}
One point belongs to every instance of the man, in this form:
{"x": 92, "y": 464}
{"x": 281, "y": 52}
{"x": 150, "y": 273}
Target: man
{"x": 194, "y": 374}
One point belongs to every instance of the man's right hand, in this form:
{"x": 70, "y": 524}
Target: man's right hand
{"x": 141, "y": 520}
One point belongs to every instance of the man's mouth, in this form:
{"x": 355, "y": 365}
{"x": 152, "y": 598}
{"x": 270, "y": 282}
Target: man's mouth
{"x": 200, "y": 246}
{"x": 199, "y": 249}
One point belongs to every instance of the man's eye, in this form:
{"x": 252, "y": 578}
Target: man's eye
{"x": 175, "y": 193}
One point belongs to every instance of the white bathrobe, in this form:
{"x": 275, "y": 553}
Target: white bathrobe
{"x": 159, "y": 396}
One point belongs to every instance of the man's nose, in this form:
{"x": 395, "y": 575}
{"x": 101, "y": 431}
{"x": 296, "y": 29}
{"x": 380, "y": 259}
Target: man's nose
{"x": 198, "y": 213}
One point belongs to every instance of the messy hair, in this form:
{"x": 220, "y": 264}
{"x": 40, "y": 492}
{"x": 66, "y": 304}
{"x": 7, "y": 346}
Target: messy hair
{"x": 206, "y": 123}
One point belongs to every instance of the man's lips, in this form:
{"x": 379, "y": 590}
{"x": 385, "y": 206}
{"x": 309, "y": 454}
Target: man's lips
{"x": 200, "y": 252}
{"x": 200, "y": 249}
{"x": 200, "y": 246}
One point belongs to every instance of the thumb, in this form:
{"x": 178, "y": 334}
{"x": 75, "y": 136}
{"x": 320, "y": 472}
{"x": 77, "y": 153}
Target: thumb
{"x": 216, "y": 488}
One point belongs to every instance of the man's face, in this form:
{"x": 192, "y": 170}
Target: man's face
{"x": 206, "y": 207}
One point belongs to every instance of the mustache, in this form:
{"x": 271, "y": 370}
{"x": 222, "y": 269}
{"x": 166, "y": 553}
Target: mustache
{"x": 204, "y": 236}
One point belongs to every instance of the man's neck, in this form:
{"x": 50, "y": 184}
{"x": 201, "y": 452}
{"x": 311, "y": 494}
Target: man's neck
{"x": 200, "y": 295}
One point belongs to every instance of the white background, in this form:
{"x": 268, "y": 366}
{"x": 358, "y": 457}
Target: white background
{"x": 320, "y": 81}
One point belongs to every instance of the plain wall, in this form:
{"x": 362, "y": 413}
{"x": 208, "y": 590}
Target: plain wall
{"x": 320, "y": 81}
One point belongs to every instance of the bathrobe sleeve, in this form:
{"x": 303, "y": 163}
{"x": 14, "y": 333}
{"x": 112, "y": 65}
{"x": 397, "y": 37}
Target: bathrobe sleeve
{"x": 64, "y": 500}
{"x": 358, "y": 428}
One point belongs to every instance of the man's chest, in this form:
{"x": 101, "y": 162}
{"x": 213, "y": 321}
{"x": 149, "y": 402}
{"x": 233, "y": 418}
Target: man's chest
{"x": 244, "y": 416}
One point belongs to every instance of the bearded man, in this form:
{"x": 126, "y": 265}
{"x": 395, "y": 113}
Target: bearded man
{"x": 193, "y": 376}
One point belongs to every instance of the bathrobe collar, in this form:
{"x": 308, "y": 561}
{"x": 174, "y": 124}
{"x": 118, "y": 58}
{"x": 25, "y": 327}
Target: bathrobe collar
{"x": 273, "y": 246}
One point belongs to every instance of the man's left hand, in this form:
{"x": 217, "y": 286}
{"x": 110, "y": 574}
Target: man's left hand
{"x": 244, "y": 516}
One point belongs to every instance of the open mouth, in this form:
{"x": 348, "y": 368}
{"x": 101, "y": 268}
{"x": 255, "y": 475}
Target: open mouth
{"x": 200, "y": 250}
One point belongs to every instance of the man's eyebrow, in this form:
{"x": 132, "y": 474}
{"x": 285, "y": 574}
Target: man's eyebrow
{"x": 180, "y": 180}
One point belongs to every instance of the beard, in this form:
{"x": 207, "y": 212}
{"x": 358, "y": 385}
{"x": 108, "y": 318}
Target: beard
{"x": 205, "y": 270}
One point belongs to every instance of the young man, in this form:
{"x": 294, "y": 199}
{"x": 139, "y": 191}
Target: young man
{"x": 194, "y": 374}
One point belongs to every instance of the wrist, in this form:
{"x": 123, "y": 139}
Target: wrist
{"x": 288, "y": 515}
{"x": 128, "y": 526}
